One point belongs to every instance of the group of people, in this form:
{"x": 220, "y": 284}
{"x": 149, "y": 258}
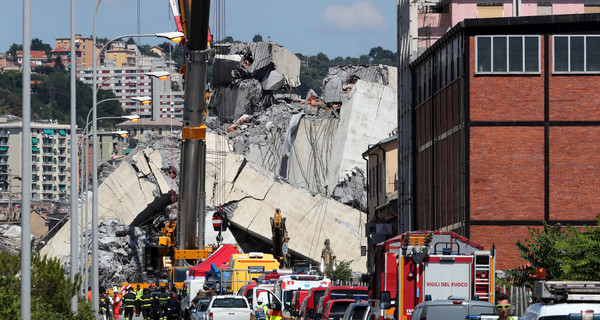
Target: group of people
{"x": 139, "y": 301}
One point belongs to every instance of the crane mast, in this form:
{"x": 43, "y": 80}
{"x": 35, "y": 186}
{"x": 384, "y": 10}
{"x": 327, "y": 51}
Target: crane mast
{"x": 190, "y": 226}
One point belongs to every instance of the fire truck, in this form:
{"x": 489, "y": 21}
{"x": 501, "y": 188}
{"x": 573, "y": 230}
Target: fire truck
{"x": 287, "y": 284}
{"x": 428, "y": 265}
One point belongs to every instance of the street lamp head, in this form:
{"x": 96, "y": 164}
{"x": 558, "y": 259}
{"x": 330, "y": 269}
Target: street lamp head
{"x": 162, "y": 75}
{"x": 145, "y": 100}
{"x": 122, "y": 133}
{"x": 132, "y": 117}
{"x": 175, "y": 36}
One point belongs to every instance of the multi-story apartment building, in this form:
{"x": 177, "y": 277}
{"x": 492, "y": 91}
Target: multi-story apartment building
{"x": 166, "y": 103}
{"x": 506, "y": 125}
{"x": 50, "y": 158}
{"x": 84, "y": 49}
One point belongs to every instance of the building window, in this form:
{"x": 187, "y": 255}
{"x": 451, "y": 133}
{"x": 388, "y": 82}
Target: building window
{"x": 508, "y": 53}
{"x": 544, "y": 8}
{"x": 490, "y": 10}
{"x": 576, "y": 53}
{"x": 591, "y": 8}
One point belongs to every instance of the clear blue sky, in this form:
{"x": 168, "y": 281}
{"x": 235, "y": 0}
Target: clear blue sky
{"x": 334, "y": 27}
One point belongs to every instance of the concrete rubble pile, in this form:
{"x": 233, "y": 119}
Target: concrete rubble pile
{"x": 320, "y": 148}
{"x": 341, "y": 79}
{"x": 245, "y": 75}
{"x": 10, "y": 239}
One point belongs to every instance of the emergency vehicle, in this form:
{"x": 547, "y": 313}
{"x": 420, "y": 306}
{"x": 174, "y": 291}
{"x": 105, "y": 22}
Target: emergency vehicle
{"x": 287, "y": 284}
{"x": 432, "y": 265}
{"x": 244, "y": 268}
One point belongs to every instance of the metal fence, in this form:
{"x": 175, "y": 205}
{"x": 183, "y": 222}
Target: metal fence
{"x": 520, "y": 298}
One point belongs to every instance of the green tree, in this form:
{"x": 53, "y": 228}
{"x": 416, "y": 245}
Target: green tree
{"x": 12, "y": 51}
{"x": 341, "y": 272}
{"x": 51, "y": 290}
{"x": 130, "y": 41}
{"x": 565, "y": 252}
{"x": 58, "y": 64}
{"x": 38, "y": 45}
{"x": 257, "y": 38}
{"x": 146, "y": 50}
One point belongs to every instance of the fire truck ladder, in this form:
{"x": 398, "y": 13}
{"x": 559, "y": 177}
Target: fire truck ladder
{"x": 417, "y": 239}
{"x": 484, "y": 273}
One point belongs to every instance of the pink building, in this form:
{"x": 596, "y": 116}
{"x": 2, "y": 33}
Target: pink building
{"x": 435, "y": 18}
{"x": 37, "y": 57}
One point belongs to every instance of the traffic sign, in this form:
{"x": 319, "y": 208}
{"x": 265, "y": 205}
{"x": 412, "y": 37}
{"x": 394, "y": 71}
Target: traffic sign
{"x": 284, "y": 248}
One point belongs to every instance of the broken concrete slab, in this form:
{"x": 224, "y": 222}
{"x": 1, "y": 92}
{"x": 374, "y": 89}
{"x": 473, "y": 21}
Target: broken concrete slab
{"x": 368, "y": 115}
{"x": 121, "y": 197}
{"x": 234, "y": 100}
{"x": 340, "y": 79}
{"x": 311, "y": 153}
{"x": 273, "y": 81}
{"x": 260, "y": 58}
{"x": 257, "y": 192}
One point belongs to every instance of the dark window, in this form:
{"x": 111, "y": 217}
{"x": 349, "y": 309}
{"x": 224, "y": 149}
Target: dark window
{"x": 577, "y": 49}
{"x": 508, "y": 54}
{"x": 499, "y": 54}
{"x": 561, "y": 53}
{"x": 515, "y": 56}
{"x": 576, "y": 53}
{"x": 484, "y": 54}
{"x": 592, "y": 53}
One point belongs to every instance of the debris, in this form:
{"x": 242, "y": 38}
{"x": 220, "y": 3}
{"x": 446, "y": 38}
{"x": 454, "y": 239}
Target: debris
{"x": 341, "y": 79}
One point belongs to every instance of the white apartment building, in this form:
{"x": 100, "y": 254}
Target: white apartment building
{"x": 50, "y": 159}
{"x": 126, "y": 83}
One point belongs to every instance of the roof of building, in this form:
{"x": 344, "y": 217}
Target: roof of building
{"x": 64, "y": 49}
{"x": 34, "y": 54}
{"x": 372, "y": 147}
{"x": 162, "y": 122}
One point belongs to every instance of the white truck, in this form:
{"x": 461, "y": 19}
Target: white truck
{"x": 228, "y": 307}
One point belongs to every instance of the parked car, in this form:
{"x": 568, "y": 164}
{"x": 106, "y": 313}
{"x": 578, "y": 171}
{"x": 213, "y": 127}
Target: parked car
{"x": 229, "y": 307}
{"x": 197, "y": 313}
{"x": 562, "y": 300}
{"x": 357, "y": 311}
{"x": 559, "y": 311}
{"x": 334, "y": 309}
{"x": 452, "y": 309}
{"x": 341, "y": 292}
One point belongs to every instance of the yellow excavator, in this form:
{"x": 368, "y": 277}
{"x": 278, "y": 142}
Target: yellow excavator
{"x": 280, "y": 240}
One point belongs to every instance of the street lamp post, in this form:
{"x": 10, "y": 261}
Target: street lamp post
{"x": 174, "y": 36}
{"x": 84, "y": 166}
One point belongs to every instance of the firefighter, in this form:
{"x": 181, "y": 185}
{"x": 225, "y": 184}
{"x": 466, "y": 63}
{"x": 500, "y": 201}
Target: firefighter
{"x": 146, "y": 304}
{"x": 106, "y": 306}
{"x": 260, "y": 311}
{"x": 138, "y": 303}
{"x": 129, "y": 303}
{"x": 162, "y": 301}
